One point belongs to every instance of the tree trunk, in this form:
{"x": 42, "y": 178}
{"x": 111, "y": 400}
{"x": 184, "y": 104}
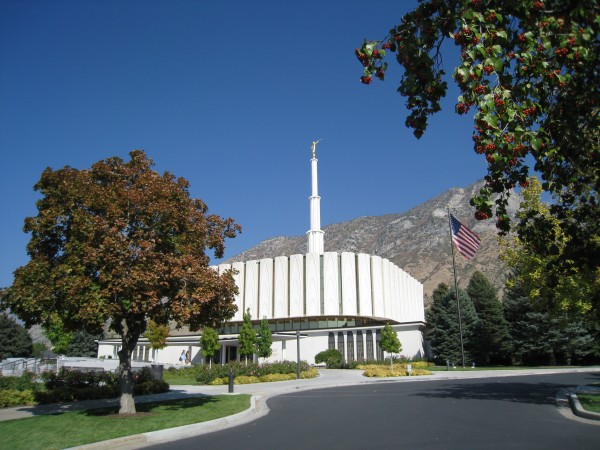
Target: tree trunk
{"x": 125, "y": 374}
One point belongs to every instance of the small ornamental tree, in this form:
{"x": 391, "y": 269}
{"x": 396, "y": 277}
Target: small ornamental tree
{"x": 157, "y": 334}
{"x": 390, "y": 342}
{"x": 209, "y": 341}
{"x": 332, "y": 358}
{"x": 121, "y": 244}
{"x": 528, "y": 78}
{"x": 247, "y": 338}
{"x": 14, "y": 339}
{"x": 265, "y": 339}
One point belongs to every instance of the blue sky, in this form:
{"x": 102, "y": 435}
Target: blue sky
{"x": 228, "y": 94}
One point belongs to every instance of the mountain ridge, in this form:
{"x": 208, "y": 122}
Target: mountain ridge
{"x": 418, "y": 240}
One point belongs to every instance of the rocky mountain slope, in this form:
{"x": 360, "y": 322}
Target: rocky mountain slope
{"x": 418, "y": 241}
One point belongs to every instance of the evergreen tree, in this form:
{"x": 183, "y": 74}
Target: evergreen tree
{"x": 83, "y": 344}
{"x": 247, "y": 338}
{"x": 540, "y": 336}
{"x": 491, "y": 342}
{"x": 209, "y": 343}
{"x": 14, "y": 338}
{"x": 265, "y": 339}
{"x": 442, "y": 317}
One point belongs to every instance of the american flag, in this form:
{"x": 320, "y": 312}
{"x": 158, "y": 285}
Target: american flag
{"x": 465, "y": 240}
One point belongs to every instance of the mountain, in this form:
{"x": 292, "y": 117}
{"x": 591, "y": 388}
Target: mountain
{"x": 417, "y": 241}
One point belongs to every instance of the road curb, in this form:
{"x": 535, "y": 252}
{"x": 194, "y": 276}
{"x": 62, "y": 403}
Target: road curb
{"x": 578, "y": 410}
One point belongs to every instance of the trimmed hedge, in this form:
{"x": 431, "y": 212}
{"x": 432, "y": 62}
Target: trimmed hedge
{"x": 206, "y": 375}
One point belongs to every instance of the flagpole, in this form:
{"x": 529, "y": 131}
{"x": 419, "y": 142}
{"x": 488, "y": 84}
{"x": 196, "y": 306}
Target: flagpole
{"x": 462, "y": 348}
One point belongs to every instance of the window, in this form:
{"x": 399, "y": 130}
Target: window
{"x": 360, "y": 352}
{"x": 379, "y": 349}
{"x": 370, "y": 354}
{"x": 341, "y": 343}
{"x": 350, "y": 346}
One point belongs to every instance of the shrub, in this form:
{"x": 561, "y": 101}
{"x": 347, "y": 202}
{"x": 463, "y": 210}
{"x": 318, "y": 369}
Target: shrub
{"x": 243, "y": 379}
{"x": 331, "y": 357}
{"x": 21, "y": 383}
{"x": 150, "y": 387}
{"x": 15, "y": 397}
{"x": 206, "y": 375}
{"x": 312, "y": 372}
{"x": 277, "y": 377}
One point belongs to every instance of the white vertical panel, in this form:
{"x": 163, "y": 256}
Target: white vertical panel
{"x": 348, "y": 283}
{"x": 377, "y": 286}
{"x": 313, "y": 284}
{"x": 239, "y": 281}
{"x": 419, "y": 302}
{"x": 364, "y": 285}
{"x": 405, "y": 300}
{"x": 280, "y": 281}
{"x": 331, "y": 278}
{"x": 296, "y": 285}
{"x": 265, "y": 307}
{"x": 395, "y": 298}
{"x": 251, "y": 291}
{"x": 387, "y": 291}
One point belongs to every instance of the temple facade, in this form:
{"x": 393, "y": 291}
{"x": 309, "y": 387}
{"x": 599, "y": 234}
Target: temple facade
{"x": 313, "y": 302}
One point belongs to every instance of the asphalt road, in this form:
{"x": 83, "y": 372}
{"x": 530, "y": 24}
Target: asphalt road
{"x": 491, "y": 413}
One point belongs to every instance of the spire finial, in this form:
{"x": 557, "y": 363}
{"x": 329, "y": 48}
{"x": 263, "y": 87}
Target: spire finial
{"x": 314, "y": 148}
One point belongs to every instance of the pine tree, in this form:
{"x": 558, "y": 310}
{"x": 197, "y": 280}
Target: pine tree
{"x": 491, "y": 342}
{"x": 14, "y": 339}
{"x": 442, "y": 317}
{"x": 247, "y": 338}
{"x": 540, "y": 336}
{"x": 83, "y": 344}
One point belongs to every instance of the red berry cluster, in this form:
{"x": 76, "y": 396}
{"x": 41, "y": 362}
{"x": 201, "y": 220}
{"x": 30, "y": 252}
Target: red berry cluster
{"x": 380, "y": 73}
{"x": 537, "y": 5}
{"x": 491, "y": 17}
{"x": 488, "y": 69}
{"x": 561, "y": 52}
{"x": 480, "y": 89}
{"x": 362, "y": 57}
{"x": 386, "y": 46}
{"x": 462, "y": 108}
{"x": 531, "y": 111}
{"x": 498, "y": 101}
{"x": 365, "y": 79}
{"x": 480, "y": 215}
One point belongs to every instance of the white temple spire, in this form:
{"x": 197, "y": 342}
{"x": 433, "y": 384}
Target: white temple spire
{"x": 315, "y": 234}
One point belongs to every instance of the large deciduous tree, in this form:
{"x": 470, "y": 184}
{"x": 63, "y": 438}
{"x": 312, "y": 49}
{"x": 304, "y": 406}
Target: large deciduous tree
{"x": 121, "y": 244}
{"x": 528, "y": 72}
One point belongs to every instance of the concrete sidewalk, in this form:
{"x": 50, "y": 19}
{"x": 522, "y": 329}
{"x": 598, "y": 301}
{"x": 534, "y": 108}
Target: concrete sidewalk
{"x": 260, "y": 393}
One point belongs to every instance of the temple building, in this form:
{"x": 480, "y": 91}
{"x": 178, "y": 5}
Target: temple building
{"x": 312, "y": 302}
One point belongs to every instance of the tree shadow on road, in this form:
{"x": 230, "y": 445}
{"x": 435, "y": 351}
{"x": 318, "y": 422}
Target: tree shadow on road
{"x": 520, "y": 391}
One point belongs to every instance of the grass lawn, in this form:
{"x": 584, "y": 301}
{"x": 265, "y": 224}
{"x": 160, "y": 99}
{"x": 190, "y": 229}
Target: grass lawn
{"x": 590, "y": 402}
{"x": 84, "y": 427}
